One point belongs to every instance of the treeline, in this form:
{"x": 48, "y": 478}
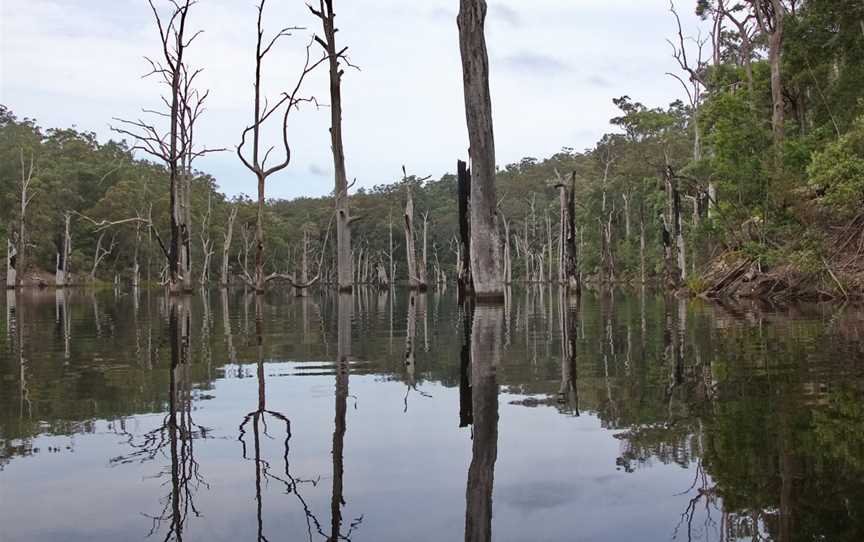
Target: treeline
{"x": 759, "y": 167}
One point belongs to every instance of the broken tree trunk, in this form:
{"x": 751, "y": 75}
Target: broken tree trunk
{"x": 414, "y": 280}
{"x": 486, "y": 268}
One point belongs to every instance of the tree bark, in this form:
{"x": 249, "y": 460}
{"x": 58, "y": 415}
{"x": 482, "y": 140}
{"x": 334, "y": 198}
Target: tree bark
{"x": 415, "y": 281}
{"x": 486, "y": 269}
{"x": 343, "y": 217}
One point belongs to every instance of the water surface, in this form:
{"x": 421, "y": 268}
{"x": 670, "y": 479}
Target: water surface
{"x": 395, "y": 417}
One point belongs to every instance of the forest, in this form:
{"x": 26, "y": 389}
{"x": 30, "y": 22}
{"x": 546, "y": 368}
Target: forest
{"x": 748, "y": 183}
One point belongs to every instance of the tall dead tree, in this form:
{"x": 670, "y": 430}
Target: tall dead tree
{"x": 262, "y": 110}
{"x": 174, "y": 148}
{"x": 343, "y": 216}
{"x": 206, "y": 243}
{"x": 416, "y": 274}
{"x": 673, "y": 237}
{"x": 486, "y": 267}
{"x": 224, "y": 280}
{"x": 16, "y": 261}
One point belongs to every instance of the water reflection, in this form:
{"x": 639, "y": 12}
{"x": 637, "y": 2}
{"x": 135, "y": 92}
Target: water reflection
{"x": 695, "y": 422}
{"x": 486, "y": 328}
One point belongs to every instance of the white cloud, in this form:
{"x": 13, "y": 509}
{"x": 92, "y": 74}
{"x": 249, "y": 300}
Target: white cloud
{"x": 556, "y": 65}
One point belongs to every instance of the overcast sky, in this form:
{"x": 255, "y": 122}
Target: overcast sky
{"x": 555, "y": 67}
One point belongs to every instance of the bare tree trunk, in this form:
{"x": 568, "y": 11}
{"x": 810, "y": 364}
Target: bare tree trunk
{"x": 627, "y": 229}
{"x": 101, "y": 253}
{"x": 549, "y": 249}
{"x": 486, "y": 269}
{"x": 260, "y": 279}
{"x": 136, "y": 268}
{"x": 642, "y": 246}
{"x": 568, "y": 269}
{"x": 25, "y": 198}
{"x": 226, "y": 247}
{"x": 304, "y": 265}
{"x": 414, "y": 279}
{"x": 424, "y": 266}
{"x": 508, "y": 261}
{"x": 390, "y": 254}
{"x": 206, "y": 243}
{"x": 64, "y": 250}
{"x": 343, "y": 217}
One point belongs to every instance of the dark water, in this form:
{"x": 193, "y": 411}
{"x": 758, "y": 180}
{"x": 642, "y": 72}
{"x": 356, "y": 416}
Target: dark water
{"x": 400, "y": 418}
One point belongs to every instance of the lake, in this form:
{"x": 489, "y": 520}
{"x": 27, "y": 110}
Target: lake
{"x": 395, "y": 416}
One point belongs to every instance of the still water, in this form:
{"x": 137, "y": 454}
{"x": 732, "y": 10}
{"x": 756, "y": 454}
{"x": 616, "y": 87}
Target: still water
{"x": 409, "y": 417}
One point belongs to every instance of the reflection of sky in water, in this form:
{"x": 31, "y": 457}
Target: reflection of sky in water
{"x": 557, "y": 476}
{"x": 405, "y": 473}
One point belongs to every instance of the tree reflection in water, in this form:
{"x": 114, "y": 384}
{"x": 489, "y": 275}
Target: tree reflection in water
{"x": 486, "y": 335}
{"x": 176, "y": 436}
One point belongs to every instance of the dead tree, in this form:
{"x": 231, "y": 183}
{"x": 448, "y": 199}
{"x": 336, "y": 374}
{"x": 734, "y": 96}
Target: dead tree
{"x": 673, "y": 238}
{"x": 224, "y": 280}
{"x": 206, "y": 244}
{"x": 568, "y": 270}
{"x": 508, "y": 261}
{"x": 17, "y": 258}
{"x": 169, "y": 147}
{"x": 136, "y": 268}
{"x": 102, "y": 252}
{"x": 424, "y": 263}
{"x": 64, "y": 249}
{"x": 694, "y": 86}
{"x": 343, "y": 215}
{"x": 262, "y": 110}
{"x": 486, "y": 268}
{"x": 416, "y": 277}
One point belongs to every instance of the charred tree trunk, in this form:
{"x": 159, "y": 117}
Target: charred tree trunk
{"x": 464, "y": 282}
{"x": 568, "y": 273}
{"x": 486, "y": 269}
{"x": 674, "y": 244}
